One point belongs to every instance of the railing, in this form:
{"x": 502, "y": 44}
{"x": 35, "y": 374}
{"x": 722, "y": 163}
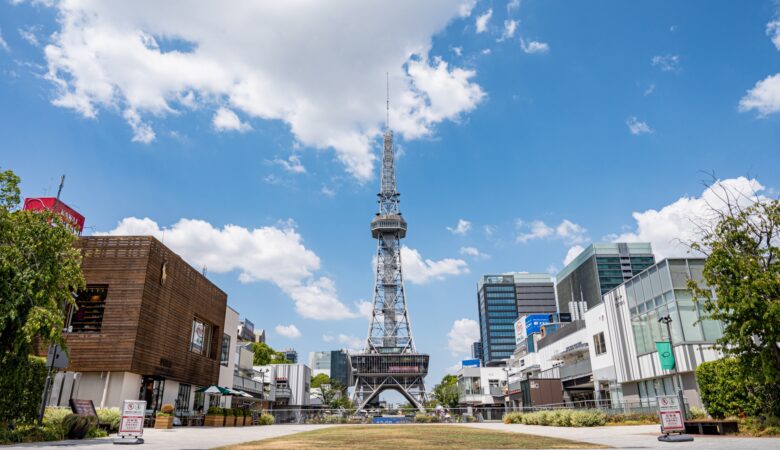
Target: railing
{"x": 247, "y": 384}
{"x": 577, "y": 369}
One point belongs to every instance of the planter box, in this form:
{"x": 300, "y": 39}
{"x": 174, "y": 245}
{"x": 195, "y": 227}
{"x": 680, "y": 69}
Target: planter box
{"x": 230, "y": 421}
{"x": 163, "y": 422}
{"x": 214, "y": 421}
{"x": 239, "y": 421}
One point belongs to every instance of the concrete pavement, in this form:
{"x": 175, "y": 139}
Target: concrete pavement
{"x": 636, "y": 437}
{"x": 627, "y": 437}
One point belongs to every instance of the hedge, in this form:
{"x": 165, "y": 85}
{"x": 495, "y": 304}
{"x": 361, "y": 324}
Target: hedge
{"x": 21, "y": 388}
{"x": 724, "y": 391}
{"x": 559, "y": 418}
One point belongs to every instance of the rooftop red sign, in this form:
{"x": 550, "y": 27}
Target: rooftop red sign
{"x": 71, "y": 216}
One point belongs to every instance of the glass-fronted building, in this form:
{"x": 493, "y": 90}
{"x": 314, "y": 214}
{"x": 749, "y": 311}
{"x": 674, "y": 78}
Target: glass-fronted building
{"x": 597, "y": 270}
{"x": 501, "y": 299}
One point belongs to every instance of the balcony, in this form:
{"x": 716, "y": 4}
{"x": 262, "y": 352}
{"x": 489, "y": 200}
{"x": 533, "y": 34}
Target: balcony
{"x": 575, "y": 370}
{"x": 247, "y": 385}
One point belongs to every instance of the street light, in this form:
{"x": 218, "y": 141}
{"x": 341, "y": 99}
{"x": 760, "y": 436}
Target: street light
{"x": 506, "y": 396}
{"x": 667, "y": 320}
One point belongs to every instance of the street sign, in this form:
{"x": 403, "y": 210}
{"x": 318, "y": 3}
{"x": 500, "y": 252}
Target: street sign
{"x": 131, "y": 424}
{"x": 671, "y": 415}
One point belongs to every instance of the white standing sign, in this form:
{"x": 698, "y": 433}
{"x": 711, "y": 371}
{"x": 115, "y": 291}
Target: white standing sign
{"x": 671, "y": 415}
{"x": 131, "y": 424}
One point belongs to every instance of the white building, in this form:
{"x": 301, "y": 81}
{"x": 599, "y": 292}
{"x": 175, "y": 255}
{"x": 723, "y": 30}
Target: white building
{"x": 290, "y": 383}
{"x": 227, "y": 357}
{"x": 319, "y": 363}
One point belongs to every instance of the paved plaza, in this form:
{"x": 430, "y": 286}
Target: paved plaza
{"x": 626, "y": 437}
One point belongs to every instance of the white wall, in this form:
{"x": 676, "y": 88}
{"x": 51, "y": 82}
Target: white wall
{"x": 231, "y": 329}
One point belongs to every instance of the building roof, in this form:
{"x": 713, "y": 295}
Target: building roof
{"x": 606, "y": 249}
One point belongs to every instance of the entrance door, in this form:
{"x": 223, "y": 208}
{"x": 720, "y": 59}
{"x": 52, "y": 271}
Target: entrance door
{"x": 152, "y": 391}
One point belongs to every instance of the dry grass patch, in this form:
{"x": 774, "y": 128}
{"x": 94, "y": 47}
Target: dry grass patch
{"x": 396, "y": 437}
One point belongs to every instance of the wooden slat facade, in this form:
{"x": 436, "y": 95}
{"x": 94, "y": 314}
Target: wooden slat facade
{"x": 147, "y": 323}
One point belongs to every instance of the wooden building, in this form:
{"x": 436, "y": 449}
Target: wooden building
{"x": 148, "y": 326}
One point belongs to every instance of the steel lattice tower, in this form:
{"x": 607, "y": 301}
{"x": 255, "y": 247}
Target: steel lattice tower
{"x": 389, "y": 360}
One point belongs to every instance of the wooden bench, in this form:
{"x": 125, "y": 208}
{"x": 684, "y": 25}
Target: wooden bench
{"x": 711, "y": 426}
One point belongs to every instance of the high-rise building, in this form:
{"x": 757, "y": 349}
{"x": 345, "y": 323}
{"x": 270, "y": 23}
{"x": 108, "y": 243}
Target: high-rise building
{"x": 501, "y": 299}
{"x": 246, "y": 331}
{"x": 597, "y": 270}
{"x": 290, "y": 355}
{"x": 319, "y": 363}
{"x": 340, "y": 368}
{"x": 476, "y": 350}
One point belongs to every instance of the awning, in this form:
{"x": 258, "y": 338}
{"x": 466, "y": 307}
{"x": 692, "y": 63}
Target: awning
{"x": 214, "y": 389}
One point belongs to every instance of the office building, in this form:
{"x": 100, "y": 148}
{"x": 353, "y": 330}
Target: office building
{"x": 319, "y": 363}
{"x": 597, "y": 270}
{"x": 290, "y": 355}
{"x": 501, "y": 299}
{"x": 476, "y": 350}
{"x": 246, "y": 331}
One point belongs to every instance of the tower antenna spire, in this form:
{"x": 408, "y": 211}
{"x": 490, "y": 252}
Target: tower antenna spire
{"x": 387, "y": 84}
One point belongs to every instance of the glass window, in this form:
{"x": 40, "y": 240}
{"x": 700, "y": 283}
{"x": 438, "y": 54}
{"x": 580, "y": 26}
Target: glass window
{"x": 87, "y": 317}
{"x": 200, "y": 342}
{"x": 655, "y": 283}
{"x": 663, "y": 274}
{"x": 676, "y": 325}
{"x": 688, "y": 318}
{"x": 679, "y": 272}
{"x": 668, "y": 386}
{"x": 711, "y": 328}
{"x": 647, "y": 290}
{"x": 225, "y": 353}
{"x": 599, "y": 344}
{"x": 630, "y": 295}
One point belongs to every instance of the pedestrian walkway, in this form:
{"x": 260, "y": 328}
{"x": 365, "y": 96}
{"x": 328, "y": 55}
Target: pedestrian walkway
{"x": 636, "y": 437}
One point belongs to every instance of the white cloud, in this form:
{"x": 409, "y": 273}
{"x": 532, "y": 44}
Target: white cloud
{"x": 667, "y": 63}
{"x": 351, "y": 342}
{"x": 534, "y": 47}
{"x": 674, "y": 224}
{"x": 262, "y": 59}
{"x": 510, "y": 26}
{"x": 328, "y": 338}
{"x": 573, "y": 252}
{"x": 489, "y": 230}
{"x": 29, "y": 35}
{"x": 461, "y": 228}
{"x": 227, "y": 120}
{"x": 552, "y": 269}
{"x": 288, "y": 331}
{"x": 773, "y": 30}
{"x": 463, "y": 333}
{"x": 567, "y": 231}
{"x": 474, "y": 253}
{"x": 458, "y": 50}
{"x": 482, "y": 21}
{"x": 3, "y": 44}
{"x": 142, "y": 131}
{"x": 650, "y": 89}
{"x": 486, "y": 51}
{"x": 512, "y": 5}
{"x": 364, "y": 308}
{"x": 292, "y": 164}
{"x": 328, "y": 192}
{"x": 637, "y": 127}
{"x": 417, "y": 270}
{"x": 764, "y": 97}
{"x": 273, "y": 254}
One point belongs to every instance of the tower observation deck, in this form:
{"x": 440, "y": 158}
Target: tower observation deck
{"x": 389, "y": 360}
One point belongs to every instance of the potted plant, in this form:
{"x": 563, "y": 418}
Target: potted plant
{"x": 215, "y": 417}
{"x": 230, "y": 418}
{"x": 164, "y": 419}
{"x": 239, "y": 413}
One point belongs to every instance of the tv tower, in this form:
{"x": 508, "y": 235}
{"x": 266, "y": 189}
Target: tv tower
{"x": 389, "y": 360}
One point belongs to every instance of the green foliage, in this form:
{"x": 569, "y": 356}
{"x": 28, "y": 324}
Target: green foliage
{"x": 215, "y": 411}
{"x": 758, "y": 426}
{"x": 565, "y": 418}
{"x": 265, "y": 355}
{"x": 76, "y": 426}
{"x": 725, "y": 390}
{"x": 167, "y": 408}
{"x": 425, "y": 418}
{"x": 319, "y": 380}
{"x": 109, "y": 417}
{"x": 266, "y": 419}
{"x": 55, "y": 416}
{"x": 698, "y": 413}
{"x": 96, "y": 433}
{"x": 446, "y": 392}
{"x": 31, "y": 433}
{"x": 634, "y": 418}
{"x": 743, "y": 272}
{"x": 39, "y": 268}
{"x": 21, "y": 387}
{"x": 513, "y": 417}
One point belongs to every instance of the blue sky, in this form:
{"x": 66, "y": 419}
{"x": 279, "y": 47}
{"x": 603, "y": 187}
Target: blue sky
{"x": 544, "y": 135}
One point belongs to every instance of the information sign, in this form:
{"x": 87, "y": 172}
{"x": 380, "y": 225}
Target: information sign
{"x": 671, "y": 415}
{"x": 131, "y": 424}
{"x": 82, "y": 407}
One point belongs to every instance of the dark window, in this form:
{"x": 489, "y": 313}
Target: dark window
{"x": 225, "y": 354}
{"x": 87, "y": 316}
{"x": 599, "y": 344}
{"x": 201, "y": 337}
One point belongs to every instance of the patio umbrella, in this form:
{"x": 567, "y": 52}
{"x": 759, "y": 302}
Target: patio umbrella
{"x": 214, "y": 389}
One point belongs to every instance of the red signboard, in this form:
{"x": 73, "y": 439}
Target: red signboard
{"x": 71, "y": 216}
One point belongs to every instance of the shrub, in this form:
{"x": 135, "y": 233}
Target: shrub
{"x": 96, "y": 433}
{"x": 698, "y": 413}
{"x": 76, "y": 426}
{"x": 588, "y": 418}
{"x": 724, "y": 391}
{"x": 564, "y": 418}
{"x": 54, "y": 416}
{"x": 513, "y": 417}
{"x": 31, "y": 433}
{"x": 109, "y": 417}
{"x": 266, "y": 419}
{"x": 215, "y": 411}
{"x": 633, "y": 418}
{"x": 167, "y": 409}
{"x": 21, "y": 387}
{"x": 425, "y": 418}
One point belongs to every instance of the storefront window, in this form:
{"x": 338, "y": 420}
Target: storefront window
{"x": 599, "y": 344}
{"x": 87, "y": 316}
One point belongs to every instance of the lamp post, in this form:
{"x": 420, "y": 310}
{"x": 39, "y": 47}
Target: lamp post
{"x": 667, "y": 320}
{"x": 506, "y": 395}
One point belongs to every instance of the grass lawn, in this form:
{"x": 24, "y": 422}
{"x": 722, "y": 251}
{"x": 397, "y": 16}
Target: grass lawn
{"x": 397, "y": 437}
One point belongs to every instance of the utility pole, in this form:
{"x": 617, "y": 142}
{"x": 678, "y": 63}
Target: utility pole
{"x": 667, "y": 320}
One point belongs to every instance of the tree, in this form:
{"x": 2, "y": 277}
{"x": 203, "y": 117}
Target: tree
{"x": 329, "y": 391}
{"x": 265, "y": 355}
{"x": 742, "y": 275}
{"x": 39, "y": 270}
{"x": 320, "y": 379}
{"x": 446, "y": 392}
